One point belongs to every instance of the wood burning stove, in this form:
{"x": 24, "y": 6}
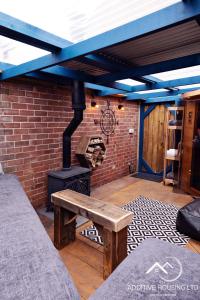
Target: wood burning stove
{"x": 76, "y": 179}
{"x": 71, "y": 177}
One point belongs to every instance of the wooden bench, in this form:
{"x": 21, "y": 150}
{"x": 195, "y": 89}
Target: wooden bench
{"x": 110, "y": 220}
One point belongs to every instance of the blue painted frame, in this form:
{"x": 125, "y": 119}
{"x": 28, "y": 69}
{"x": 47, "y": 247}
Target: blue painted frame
{"x": 18, "y": 30}
{"x": 168, "y": 65}
{"x": 26, "y": 33}
{"x": 170, "y": 16}
{"x": 146, "y": 96}
{"x": 166, "y": 84}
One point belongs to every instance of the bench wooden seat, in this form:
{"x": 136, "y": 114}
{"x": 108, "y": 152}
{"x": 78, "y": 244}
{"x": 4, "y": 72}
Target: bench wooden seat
{"x": 110, "y": 220}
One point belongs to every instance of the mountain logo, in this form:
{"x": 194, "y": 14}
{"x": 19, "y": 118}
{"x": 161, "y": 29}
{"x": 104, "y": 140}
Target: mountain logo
{"x": 169, "y": 271}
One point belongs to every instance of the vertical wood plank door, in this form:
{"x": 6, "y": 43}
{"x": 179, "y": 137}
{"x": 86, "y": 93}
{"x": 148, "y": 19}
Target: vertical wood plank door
{"x": 154, "y": 137}
{"x": 187, "y": 146}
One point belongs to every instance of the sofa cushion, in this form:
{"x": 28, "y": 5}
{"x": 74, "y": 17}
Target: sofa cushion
{"x": 30, "y": 266}
{"x": 154, "y": 270}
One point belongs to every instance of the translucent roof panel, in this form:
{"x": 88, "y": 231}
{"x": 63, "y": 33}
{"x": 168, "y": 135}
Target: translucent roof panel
{"x": 74, "y": 20}
{"x": 15, "y": 52}
{"x": 180, "y": 73}
{"x": 129, "y": 82}
{"x": 152, "y": 91}
{"x": 196, "y": 86}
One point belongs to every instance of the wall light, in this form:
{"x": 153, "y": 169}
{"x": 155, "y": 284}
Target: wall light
{"x": 94, "y": 104}
{"x": 121, "y": 107}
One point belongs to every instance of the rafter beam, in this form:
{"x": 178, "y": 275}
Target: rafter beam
{"x": 61, "y": 75}
{"x": 55, "y": 76}
{"x": 173, "y": 15}
{"x": 163, "y": 99}
{"x": 169, "y": 65}
{"x": 18, "y": 30}
{"x": 167, "y": 84}
{"x": 24, "y": 32}
{"x": 79, "y": 75}
{"x": 144, "y": 96}
{"x": 158, "y": 85}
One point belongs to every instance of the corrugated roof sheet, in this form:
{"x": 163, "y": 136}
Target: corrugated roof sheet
{"x": 175, "y": 42}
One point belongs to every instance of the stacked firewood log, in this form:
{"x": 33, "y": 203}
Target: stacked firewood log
{"x": 91, "y": 151}
{"x": 95, "y": 153}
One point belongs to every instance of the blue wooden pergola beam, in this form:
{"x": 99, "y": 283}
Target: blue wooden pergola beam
{"x": 18, "y": 30}
{"x": 163, "y": 99}
{"x": 82, "y": 76}
{"x": 29, "y": 34}
{"x": 171, "y": 16}
{"x": 167, "y": 83}
{"x": 164, "y": 66}
{"x": 56, "y": 77}
{"x": 160, "y": 85}
{"x": 40, "y": 75}
{"x": 69, "y": 73}
{"x": 61, "y": 75}
{"x": 135, "y": 96}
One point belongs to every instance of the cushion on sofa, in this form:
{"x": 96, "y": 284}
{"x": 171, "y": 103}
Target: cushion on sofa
{"x": 30, "y": 266}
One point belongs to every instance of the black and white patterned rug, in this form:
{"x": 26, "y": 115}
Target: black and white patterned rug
{"x": 152, "y": 218}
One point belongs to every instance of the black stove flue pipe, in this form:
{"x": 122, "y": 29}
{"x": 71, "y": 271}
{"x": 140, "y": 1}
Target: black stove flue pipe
{"x": 78, "y": 105}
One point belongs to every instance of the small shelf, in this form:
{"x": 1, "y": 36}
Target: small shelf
{"x": 177, "y": 158}
{"x": 175, "y": 127}
{"x": 172, "y": 108}
{"x": 170, "y": 181}
{"x": 173, "y": 140}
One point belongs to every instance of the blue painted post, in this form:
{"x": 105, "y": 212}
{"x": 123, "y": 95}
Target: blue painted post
{"x": 141, "y": 138}
{"x": 143, "y": 115}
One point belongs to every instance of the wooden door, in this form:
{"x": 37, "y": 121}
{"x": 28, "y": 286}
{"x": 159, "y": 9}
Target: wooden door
{"x": 189, "y": 122}
{"x": 152, "y": 137}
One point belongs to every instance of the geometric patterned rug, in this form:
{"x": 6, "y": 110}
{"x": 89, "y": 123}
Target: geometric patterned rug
{"x": 152, "y": 218}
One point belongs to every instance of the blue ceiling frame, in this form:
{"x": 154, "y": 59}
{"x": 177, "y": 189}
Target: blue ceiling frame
{"x": 160, "y": 85}
{"x": 177, "y": 99}
{"x": 163, "y": 19}
{"x": 62, "y": 51}
{"x": 164, "y": 66}
{"x": 155, "y": 94}
{"x": 61, "y": 75}
{"x": 18, "y": 30}
{"x": 168, "y": 83}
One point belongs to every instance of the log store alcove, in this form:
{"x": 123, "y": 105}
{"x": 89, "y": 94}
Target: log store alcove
{"x": 91, "y": 151}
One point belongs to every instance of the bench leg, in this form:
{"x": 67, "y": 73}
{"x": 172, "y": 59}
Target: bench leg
{"x": 64, "y": 227}
{"x": 115, "y": 250}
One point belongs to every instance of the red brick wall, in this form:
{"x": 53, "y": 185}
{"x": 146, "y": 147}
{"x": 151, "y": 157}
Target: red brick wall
{"x": 32, "y": 119}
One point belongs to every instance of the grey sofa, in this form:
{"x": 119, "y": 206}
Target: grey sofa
{"x": 31, "y": 269}
{"x": 154, "y": 270}
{"x": 30, "y": 266}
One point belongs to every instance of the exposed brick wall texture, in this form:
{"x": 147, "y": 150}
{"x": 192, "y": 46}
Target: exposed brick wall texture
{"x": 33, "y": 117}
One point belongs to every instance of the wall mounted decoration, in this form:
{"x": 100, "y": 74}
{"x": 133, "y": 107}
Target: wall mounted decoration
{"x": 107, "y": 122}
